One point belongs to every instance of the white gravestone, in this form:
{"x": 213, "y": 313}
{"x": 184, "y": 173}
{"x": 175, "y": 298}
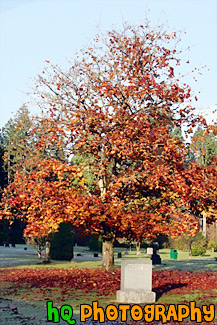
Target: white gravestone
{"x": 136, "y": 282}
{"x": 149, "y": 251}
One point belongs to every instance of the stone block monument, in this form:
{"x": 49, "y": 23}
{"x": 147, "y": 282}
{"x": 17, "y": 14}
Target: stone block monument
{"x": 136, "y": 282}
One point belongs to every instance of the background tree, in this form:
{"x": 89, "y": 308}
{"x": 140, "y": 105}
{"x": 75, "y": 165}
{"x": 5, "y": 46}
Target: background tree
{"x": 84, "y": 162}
{"x": 176, "y": 132}
{"x": 22, "y": 157}
{"x": 188, "y": 242}
{"x": 38, "y": 243}
{"x": 3, "y": 173}
{"x": 15, "y": 143}
{"x": 204, "y": 146}
{"x": 19, "y": 142}
{"x": 16, "y": 140}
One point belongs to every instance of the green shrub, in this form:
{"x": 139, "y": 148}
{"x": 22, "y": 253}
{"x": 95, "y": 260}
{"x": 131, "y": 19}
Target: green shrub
{"x": 95, "y": 244}
{"x": 100, "y": 245}
{"x": 4, "y": 238}
{"x": 200, "y": 239}
{"x": 62, "y": 243}
{"x": 212, "y": 246}
{"x": 198, "y": 250}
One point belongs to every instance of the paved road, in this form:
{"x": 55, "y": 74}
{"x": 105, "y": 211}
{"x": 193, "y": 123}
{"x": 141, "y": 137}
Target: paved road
{"x": 26, "y": 255}
{"x": 20, "y": 313}
{"x": 11, "y": 256}
{"x": 14, "y": 313}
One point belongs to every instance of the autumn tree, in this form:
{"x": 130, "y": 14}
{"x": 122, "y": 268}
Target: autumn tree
{"x": 19, "y": 142}
{"x": 41, "y": 195}
{"x": 115, "y": 107}
{"x": 22, "y": 156}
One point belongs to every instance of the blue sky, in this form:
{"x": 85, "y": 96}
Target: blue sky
{"x": 32, "y": 31}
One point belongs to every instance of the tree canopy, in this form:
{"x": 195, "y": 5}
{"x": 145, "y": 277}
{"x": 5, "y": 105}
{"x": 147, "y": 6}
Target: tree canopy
{"x": 115, "y": 107}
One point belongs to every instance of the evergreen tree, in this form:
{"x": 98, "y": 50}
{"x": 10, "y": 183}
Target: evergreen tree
{"x": 3, "y": 173}
{"x": 210, "y": 148}
{"x": 62, "y": 243}
{"x": 20, "y": 137}
{"x": 176, "y": 132}
{"x": 16, "y": 140}
{"x": 204, "y": 146}
{"x": 85, "y": 163}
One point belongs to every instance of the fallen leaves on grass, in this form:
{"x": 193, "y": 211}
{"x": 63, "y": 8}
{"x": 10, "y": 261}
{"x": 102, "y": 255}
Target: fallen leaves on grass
{"x": 101, "y": 282}
{"x": 104, "y": 283}
{"x": 180, "y": 281}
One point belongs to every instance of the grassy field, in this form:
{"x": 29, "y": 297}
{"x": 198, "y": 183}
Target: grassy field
{"x": 206, "y": 262}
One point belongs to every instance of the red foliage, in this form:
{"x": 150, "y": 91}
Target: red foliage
{"x": 99, "y": 281}
{"x": 41, "y": 193}
{"x": 104, "y": 283}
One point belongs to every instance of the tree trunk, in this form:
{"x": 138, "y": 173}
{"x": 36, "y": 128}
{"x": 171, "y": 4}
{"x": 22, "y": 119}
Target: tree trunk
{"x": 108, "y": 238}
{"x": 189, "y": 256}
{"x": 108, "y": 255}
{"x": 138, "y": 248}
{"x": 47, "y": 252}
{"x": 102, "y": 185}
{"x": 190, "y": 245}
{"x": 204, "y": 224}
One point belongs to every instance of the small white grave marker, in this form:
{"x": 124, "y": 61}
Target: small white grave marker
{"x": 149, "y": 251}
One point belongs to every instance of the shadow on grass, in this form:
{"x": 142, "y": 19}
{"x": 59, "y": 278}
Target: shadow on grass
{"x": 166, "y": 288}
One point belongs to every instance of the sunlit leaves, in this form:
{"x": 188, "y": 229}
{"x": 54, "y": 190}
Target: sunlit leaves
{"x": 42, "y": 195}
